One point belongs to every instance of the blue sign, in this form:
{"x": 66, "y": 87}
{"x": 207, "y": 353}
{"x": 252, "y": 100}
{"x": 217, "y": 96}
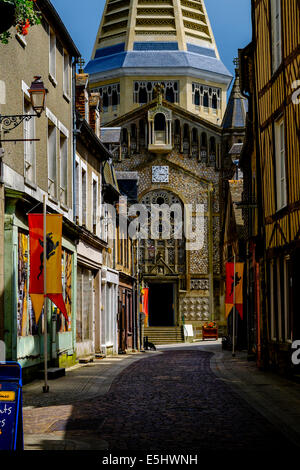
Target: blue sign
{"x": 11, "y": 416}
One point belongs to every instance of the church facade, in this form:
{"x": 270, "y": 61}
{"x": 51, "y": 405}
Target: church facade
{"x": 158, "y": 71}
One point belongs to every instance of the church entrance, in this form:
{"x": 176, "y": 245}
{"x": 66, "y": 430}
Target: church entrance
{"x": 161, "y": 304}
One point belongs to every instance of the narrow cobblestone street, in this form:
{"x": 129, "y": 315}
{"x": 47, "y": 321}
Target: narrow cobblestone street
{"x": 171, "y": 400}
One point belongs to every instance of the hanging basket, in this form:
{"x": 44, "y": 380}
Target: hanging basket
{"x": 7, "y": 15}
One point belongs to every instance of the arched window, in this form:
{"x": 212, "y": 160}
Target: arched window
{"x": 177, "y": 127}
{"x": 214, "y": 101}
{"x": 212, "y": 145}
{"x": 203, "y": 147}
{"x": 124, "y": 142}
{"x": 105, "y": 101}
{"x": 186, "y": 132}
{"x": 143, "y": 96}
{"x": 114, "y": 98}
{"x": 170, "y": 95}
{"x": 212, "y": 150}
{"x": 159, "y": 122}
{"x": 169, "y": 230}
{"x": 205, "y": 99}
{"x": 194, "y": 136}
{"x": 124, "y": 136}
{"x": 197, "y": 98}
{"x": 133, "y": 130}
{"x": 142, "y": 128}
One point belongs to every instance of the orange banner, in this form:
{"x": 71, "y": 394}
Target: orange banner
{"x": 234, "y": 281}
{"x": 145, "y": 293}
{"x": 53, "y": 262}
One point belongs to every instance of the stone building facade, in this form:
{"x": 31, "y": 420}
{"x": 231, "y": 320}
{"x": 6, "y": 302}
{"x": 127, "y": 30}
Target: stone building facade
{"x": 157, "y": 68}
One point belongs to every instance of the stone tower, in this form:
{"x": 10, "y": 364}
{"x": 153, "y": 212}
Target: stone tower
{"x": 140, "y": 42}
{"x": 161, "y": 79}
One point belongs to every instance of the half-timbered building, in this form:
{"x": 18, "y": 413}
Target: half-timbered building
{"x": 271, "y": 164}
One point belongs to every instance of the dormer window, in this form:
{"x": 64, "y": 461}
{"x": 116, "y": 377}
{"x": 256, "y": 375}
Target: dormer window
{"x": 110, "y": 96}
{"x": 144, "y": 92}
{"x": 206, "y": 97}
{"x": 160, "y": 129}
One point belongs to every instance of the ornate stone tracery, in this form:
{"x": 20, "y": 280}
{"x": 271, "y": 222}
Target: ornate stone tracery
{"x": 172, "y": 250}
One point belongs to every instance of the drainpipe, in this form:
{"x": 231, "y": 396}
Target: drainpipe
{"x": 74, "y": 135}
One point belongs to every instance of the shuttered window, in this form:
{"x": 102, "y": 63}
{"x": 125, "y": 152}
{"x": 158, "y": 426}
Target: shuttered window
{"x": 52, "y": 173}
{"x": 66, "y": 74}
{"x": 276, "y": 33}
{"x": 63, "y": 168}
{"x": 281, "y": 184}
{"x": 52, "y": 55}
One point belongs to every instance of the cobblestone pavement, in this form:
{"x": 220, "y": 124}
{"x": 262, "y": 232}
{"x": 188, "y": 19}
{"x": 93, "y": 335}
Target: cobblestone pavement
{"x": 171, "y": 400}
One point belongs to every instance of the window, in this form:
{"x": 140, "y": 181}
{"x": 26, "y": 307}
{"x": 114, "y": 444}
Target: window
{"x": 52, "y": 55}
{"x": 287, "y": 309}
{"x": 77, "y": 190}
{"x": 94, "y": 204}
{"x": 63, "y": 168}
{"x": 52, "y": 173}
{"x": 276, "y": 33}
{"x": 85, "y": 304}
{"x": 29, "y": 146}
{"x": 110, "y": 96}
{"x": 272, "y": 304}
{"x": 281, "y": 187}
{"x": 143, "y": 92}
{"x": 66, "y": 74}
{"x": 208, "y": 97}
{"x": 83, "y": 194}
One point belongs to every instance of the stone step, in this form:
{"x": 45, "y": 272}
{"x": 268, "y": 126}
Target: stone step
{"x": 164, "y": 334}
{"x": 85, "y": 359}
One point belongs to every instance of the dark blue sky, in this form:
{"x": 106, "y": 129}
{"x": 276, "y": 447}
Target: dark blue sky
{"x": 230, "y": 21}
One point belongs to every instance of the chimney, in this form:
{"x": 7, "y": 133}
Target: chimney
{"x": 82, "y": 94}
{"x": 94, "y": 107}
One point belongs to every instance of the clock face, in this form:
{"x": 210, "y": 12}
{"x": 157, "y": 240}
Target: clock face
{"x": 160, "y": 174}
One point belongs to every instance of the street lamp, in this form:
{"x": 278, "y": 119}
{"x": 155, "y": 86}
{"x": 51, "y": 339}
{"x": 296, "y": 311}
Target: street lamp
{"x": 37, "y": 93}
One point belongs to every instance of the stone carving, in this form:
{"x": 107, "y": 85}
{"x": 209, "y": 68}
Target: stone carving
{"x": 199, "y": 284}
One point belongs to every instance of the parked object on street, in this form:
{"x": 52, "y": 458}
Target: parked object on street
{"x": 148, "y": 345}
{"x": 11, "y": 415}
{"x": 210, "y": 331}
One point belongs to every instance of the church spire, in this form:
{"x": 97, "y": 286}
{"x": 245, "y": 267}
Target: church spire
{"x": 130, "y": 21}
{"x": 143, "y": 42}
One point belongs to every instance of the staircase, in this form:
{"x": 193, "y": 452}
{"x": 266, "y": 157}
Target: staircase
{"x": 164, "y": 334}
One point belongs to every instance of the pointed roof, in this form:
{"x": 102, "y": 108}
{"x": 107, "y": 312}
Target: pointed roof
{"x": 157, "y": 37}
{"x": 237, "y": 107}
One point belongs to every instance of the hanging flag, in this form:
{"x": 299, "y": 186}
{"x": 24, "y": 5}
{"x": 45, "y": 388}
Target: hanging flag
{"x": 145, "y": 304}
{"x": 234, "y": 280}
{"x": 53, "y": 262}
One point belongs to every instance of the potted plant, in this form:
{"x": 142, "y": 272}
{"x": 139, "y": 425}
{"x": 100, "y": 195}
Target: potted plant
{"x": 19, "y": 13}
{"x": 210, "y": 330}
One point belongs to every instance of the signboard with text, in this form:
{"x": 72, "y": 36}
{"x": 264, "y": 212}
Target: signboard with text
{"x": 11, "y": 421}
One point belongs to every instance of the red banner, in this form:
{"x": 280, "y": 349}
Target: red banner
{"x": 53, "y": 262}
{"x": 234, "y": 287}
